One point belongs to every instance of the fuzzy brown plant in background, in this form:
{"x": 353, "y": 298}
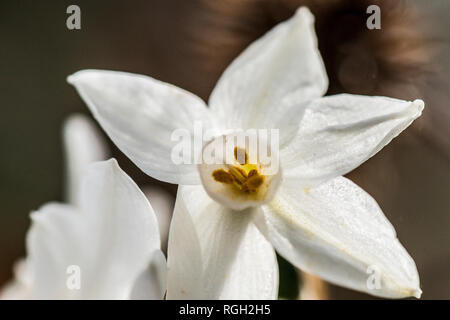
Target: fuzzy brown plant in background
{"x": 391, "y": 61}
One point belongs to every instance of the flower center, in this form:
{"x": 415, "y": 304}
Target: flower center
{"x": 244, "y": 177}
{"x": 238, "y": 174}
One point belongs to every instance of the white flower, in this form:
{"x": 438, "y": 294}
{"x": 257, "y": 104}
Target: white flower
{"x": 112, "y": 237}
{"x": 83, "y": 144}
{"x": 318, "y": 220}
{"x": 104, "y": 244}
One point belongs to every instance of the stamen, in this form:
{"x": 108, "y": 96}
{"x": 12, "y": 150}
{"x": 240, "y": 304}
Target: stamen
{"x": 244, "y": 178}
{"x": 238, "y": 180}
{"x": 222, "y": 176}
{"x": 249, "y": 167}
{"x": 252, "y": 173}
{"x": 253, "y": 183}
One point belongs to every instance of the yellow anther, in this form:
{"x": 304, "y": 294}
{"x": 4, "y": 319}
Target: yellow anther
{"x": 252, "y": 173}
{"x": 222, "y": 176}
{"x": 244, "y": 177}
{"x": 249, "y": 167}
{"x": 254, "y": 182}
{"x": 238, "y": 174}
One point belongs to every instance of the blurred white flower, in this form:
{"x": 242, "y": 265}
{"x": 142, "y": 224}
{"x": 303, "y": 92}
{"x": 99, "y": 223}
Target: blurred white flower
{"x": 108, "y": 230}
{"x": 112, "y": 237}
{"x": 110, "y": 241}
{"x": 318, "y": 220}
{"x": 83, "y": 144}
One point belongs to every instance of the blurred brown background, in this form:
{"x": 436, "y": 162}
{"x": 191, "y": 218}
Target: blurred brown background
{"x": 189, "y": 43}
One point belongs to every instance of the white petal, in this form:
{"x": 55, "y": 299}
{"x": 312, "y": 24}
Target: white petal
{"x": 263, "y": 87}
{"x": 216, "y": 253}
{"x": 54, "y": 242}
{"x": 184, "y": 256}
{"x": 83, "y": 144}
{"x": 111, "y": 239}
{"x": 338, "y": 232}
{"x": 340, "y": 132}
{"x": 151, "y": 284}
{"x": 140, "y": 114}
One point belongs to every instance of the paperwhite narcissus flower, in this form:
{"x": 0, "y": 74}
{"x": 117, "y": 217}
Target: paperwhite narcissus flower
{"x": 108, "y": 230}
{"x": 83, "y": 145}
{"x": 318, "y": 220}
{"x": 112, "y": 237}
